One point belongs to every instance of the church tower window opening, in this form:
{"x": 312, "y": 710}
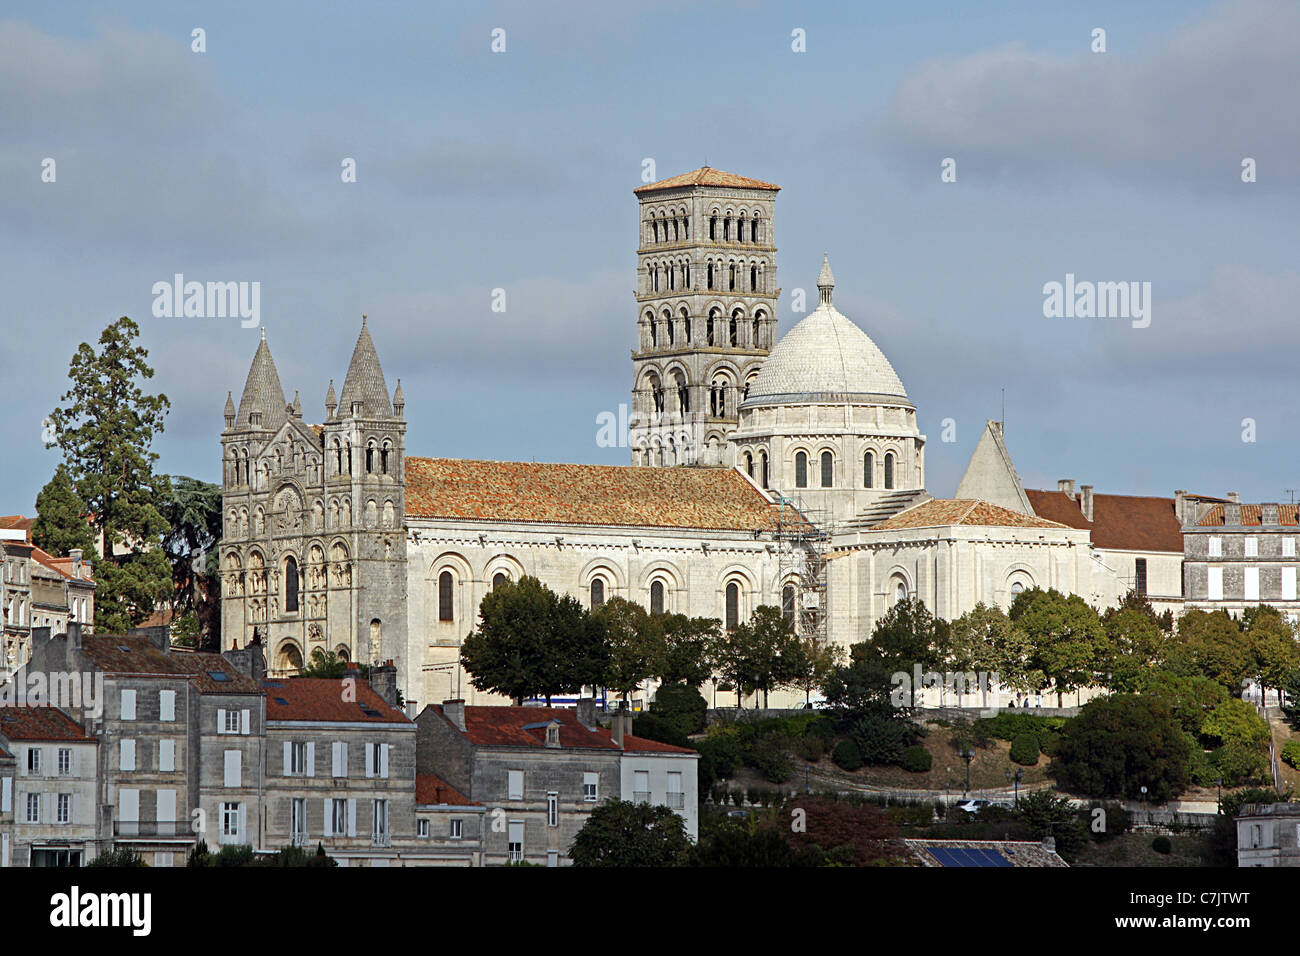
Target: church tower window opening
{"x": 828, "y": 469}
{"x": 445, "y": 584}
{"x": 889, "y": 471}
{"x": 801, "y": 470}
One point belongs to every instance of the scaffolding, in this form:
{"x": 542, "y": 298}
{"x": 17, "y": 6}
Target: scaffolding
{"x": 802, "y": 536}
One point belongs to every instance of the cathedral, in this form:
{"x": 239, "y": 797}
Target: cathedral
{"x": 788, "y": 473}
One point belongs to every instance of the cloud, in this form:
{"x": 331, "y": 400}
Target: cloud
{"x": 1187, "y": 110}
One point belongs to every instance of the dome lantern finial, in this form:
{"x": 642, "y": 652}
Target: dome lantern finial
{"x": 825, "y": 282}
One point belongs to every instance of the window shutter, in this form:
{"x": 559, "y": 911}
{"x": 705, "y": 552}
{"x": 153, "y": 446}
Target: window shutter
{"x": 340, "y": 768}
{"x": 352, "y": 816}
{"x": 128, "y": 705}
{"x": 311, "y": 759}
{"x": 244, "y": 722}
{"x": 383, "y": 761}
{"x": 166, "y": 806}
{"x": 221, "y": 721}
{"x": 234, "y": 768}
{"x": 288, "y": 758}
{"x": 370, "y": 760}
{"x": 6, "y": 794}
{"x": 166, "y": 756}
{"x": 329, "y": 817}
{"x": 167, "y": 705}
{"x": 126, "y": 755}
{"x": 242, "y": 823}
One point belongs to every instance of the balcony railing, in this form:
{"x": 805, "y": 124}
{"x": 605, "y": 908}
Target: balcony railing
{"x": 381, "y": 839}
{"x": 134, "y": 828}
{"x": 299, "y": 839}
{"x": 676, "y": 801}
{"x": 640, "y": 796}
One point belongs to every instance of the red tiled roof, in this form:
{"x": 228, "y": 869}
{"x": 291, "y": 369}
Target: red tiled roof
{"x": 1250, "y": 515}
{"x": 141, "y": 658}
{"x": 432, "y": 790}
{"x": 938, "y": 512}
{"x": 642, "y": 745}
{"x": 1123, "y": 522}
{"x": 18, "y": 523}
{"x": 322, "y": 698}
{"x": 706, "y": 176}
{"x": 526, "y": 727}
{"x": 704, "y": 498}
{"x": 39, "y": 723}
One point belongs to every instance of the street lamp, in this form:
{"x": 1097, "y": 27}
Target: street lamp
{"x": 1220, "y": 798}
{"x": 1019, "y": 775}
{"x": 968, "y": 755}
{"x": 1144, "y": 793}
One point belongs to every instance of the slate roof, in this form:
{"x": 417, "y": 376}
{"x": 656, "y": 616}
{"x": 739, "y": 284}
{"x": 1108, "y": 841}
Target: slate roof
{"x": 365, "y": 381}
{"x": 1122, "y": 522}
{"x": 322, "y": 699}
{"x": 139, "y": 657}
{"x": 706, "y": 176}
{"x": 940, "y": 512}
{"x": 1251, "y": 515}
{"x": 703, "y": 498}
{"x": 262, "y": 391}
{"x": 39, "y": 723}
{"x": 431, "y": 791}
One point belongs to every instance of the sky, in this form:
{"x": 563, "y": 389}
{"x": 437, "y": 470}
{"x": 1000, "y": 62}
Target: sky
{"x": 479, "y": 170}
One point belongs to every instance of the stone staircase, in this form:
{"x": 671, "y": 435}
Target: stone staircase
{"x": 886, "y": 506}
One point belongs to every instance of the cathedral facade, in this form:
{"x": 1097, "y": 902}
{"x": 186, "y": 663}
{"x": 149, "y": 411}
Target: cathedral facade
{"x": 805, "y": 487}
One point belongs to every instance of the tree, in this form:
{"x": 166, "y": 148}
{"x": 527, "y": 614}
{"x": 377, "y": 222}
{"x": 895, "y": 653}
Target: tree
{"x": 682, "y": 706}
{"x": 192, "y": 510}
{"x": 985, "y": 639}
{"x": 1273, "y": 645}
{"x": 1121, "y": 743}
{"x": 634, "y": 642}
{"x": 1067, "y": 636}
{"x": 907, "y": 635}
{"x": 758, "y": 654}
{"x": 105, "y": 430}
{"x": 1217, "y": 647}
{"x": 61, "y": 523}
{"x": 687, "y": 646}
{"x": 1135, "y": 644}
{"x": 1235, "y": 722}
{"x": 1189, "y": 698}
{"x": 828, "y": 823}
{"x": 621, "y": 833}
{"x": 533, "y": 643}
{"x": 327, "y": 664}
{"x": 811, "y": 662}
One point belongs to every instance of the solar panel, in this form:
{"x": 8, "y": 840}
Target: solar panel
{"x": 957, "y": 856}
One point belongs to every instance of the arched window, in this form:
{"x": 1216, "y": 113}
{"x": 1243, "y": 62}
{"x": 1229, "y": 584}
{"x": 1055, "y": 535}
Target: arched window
{"x": 868, "y": 470}
{"x": 801, "y": 470}
{"x": 383, "y": 457}
{"x": 342, "y": 653}
{"x": 753, "y": 230}
{"x": 347, "y": 455}
{"x": 733, "y": 605}
{"x": 1016, "y": 588}
{"x": 654, "y": 332}
{"x": 375, "y": 630}
{"x": 740, "y": 229}
{"x": 444, "y": 596}
{"x": 726, "y": 231}
{"x": 290, "y": 584}
{"x": 656, "y": 597}
{"x": 499, "y": 579}
{"x": 370, "y": 457}
{"x": 668, "y": 325}
{"x": 686, "y": 318}
{"x": 755, "y": 343}
{"x": 731, "y": 277}
{"x": 828, "y": 469}
{"x": 710, "y": 275}
{"x": 338, "y": 456}
{"x": 889, "y": 470}
{"x": 900, "y": 592}
{"x": 735, "y": 329}
{"x": 597, "y": 592}
{"x": 686, "y": 229}
{"x": 749, "y": 464}
{"x": 713, "y": 314}
{"x": 787, "y": 604}
{"x": 713, "y": 230}
{"x": 290, "y": 658}
{"x": 753, "y": 278}
{"x": 762, "y": 468}
{"x": 683, "y": 394}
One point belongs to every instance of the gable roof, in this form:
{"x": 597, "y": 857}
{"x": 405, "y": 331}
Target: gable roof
{"x": 1251, "y": 515}
{"x": 991, "y": 476}
{"x": 140, "y": 657}
{"x": 40, "y": 723}
{"x": 704, "y": 498}
{"x": 1122, "y": 522}
{"x": 633, "y": 744}
{"x": 526, "y": 727}
{"x": 706, "y": 176}
{"x": 941, "y": 512}
{"x": 431, "y": 791}
{"x": 323, "y": 699}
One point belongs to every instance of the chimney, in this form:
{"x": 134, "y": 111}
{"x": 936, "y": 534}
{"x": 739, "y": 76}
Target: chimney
{"x": 74, "y": 636}
{"x": 587, "y": 712}
{"x": 1180, "y": 506}
{"x": 1066, "y": 487}
{"x": 1049, "y": 843}
{"x": 1085, "y": 500}
{"x": 1268, "y": 514}
{"x": 411, "y": 710}
{"x": 1232, "y": 514}
{"x": 621, "y": 725}
{"x": 1233, "y": 496}
{"x": 160, "y": 635}
{"x": 455, "y": 712}
{"x": 250, "y": 661}
{"x": 75, "y": 554}
{"x": 383, "y": 679}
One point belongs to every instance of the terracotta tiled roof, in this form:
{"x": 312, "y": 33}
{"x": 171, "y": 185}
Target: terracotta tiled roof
{"x": 939, "y": 512}
{"x": 642, "y": 745}
{"x": 1123, "y": 522}
{"x": 1250, "y": 515}
{"x": 319, "y": 698}
{"x": 706, "y": 176}
{"x": 60, "y": 566}
{"x": 18, "y": 523}
{"x": 139, "y": 657}
{"x": 431, "y": 791}
{"x": 5, "y": 755}
{"x": 526, "y": 727}
{"x": 704, "y": 498}
{"x": 39, "y": 723}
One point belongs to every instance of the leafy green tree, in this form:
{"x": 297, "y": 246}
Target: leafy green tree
{"x": 1135, "y": 644}
{"x": 1273, "y": 645}
{"x": 907, "y": 635}
{"x": 686, "y": 648}
{"x": 533, "y": 643}
{"x": 682, "y": 705}
{"x": 122, "y": 856}
{"x": 1067, "y": 637}
{"x": 810, "y": 663}
{"x": 105, "y": 429}
{"x": 735, "y": 845}
{"x": 1218, "y": 648}
{"x": 1121, "y": 743}
{"x": 61, "y": 521}
{"x": 634, "y": 642}
{"x": 621, "y": 833}
{"x": 327, "y": 664}
{"x": 1189, "y": 698}
{"x": 758, "y": 654}
{"x": 985, "y": 639}
{"x": 192, "y": 510}
{"x": 1235, "y": 721}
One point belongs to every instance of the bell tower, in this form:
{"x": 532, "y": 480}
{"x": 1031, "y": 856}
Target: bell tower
{"x": 706, "y": 312}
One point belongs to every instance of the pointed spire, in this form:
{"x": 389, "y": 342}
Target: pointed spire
{"x": 297, "y": 405}
{"x": 399, "y": 400}
{"x": 365, "y": 380}
{"x": 825, "y": 282}
{"x": 262, "y": 391}
{"x": 230, "y": 410}
{"x": 331, "y": 401}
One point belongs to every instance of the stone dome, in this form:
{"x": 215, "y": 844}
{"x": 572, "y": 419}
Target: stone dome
{"x": 825, "y": 358}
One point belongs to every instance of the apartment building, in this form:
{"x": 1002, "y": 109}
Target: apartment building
{"x": 1240, "y": 555}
